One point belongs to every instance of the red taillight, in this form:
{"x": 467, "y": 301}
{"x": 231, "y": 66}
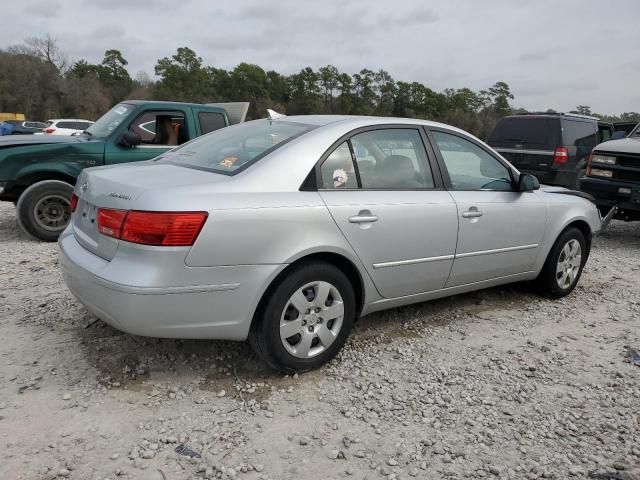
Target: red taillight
{"x": 73, "y": 203}
{"x": 110, "y": 222}
{"x": 560, "y": 155}
{"x": 177, "y": 229}
{"x": 171, "y": 229}
{"x": 49, "y": 130}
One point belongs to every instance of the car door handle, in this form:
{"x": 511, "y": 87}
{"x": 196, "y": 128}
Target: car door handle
{"x": 363, "y": 217}
{"x": 472, "y": 213}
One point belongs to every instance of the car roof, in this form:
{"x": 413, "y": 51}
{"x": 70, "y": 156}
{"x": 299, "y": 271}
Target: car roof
{"x": 359, "y": 120}
{"x": 167, "y": 104}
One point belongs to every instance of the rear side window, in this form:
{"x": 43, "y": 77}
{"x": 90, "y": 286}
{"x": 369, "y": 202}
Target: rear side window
{"x": 579, "y": 134}
{"x": 71, "y": 125}
{"x": 337, "y": 170}
{"x": 526, "y": 132}
{"x": 210, "y": 121}
{"x": 232, "y": 149}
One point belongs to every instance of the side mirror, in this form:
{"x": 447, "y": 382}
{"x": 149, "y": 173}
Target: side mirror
{"x": 618, "y": 134}
{"x": 129, "y": 140}
{"x": 527, "y": 183}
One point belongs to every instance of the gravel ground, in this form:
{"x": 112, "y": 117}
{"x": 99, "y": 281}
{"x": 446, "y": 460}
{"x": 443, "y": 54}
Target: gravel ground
{"x": 497, "y": 384}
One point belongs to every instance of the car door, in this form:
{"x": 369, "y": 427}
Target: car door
{"x": 152, "y": 142}
{"x": 383, "y": 195}
{"x": 500, "y": 229}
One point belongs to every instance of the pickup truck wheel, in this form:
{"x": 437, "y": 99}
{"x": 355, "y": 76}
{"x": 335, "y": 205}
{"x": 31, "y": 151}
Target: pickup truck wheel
{"x": 563, "y": 266}
{"x": 43, "y": 210}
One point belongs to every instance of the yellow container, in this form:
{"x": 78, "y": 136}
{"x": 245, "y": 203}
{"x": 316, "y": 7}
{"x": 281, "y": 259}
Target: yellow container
{"x": 11, "y": 116}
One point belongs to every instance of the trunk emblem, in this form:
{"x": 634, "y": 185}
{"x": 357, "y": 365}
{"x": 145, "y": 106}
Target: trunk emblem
{"x": 120, "y": 195}
{"x": 84, "y": 187}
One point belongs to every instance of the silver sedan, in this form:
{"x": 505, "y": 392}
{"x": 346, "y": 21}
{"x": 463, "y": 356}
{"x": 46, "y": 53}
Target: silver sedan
{"x": 286, "y": 230}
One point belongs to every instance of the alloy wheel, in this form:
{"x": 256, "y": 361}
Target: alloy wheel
{"x": 311, "y": 319}
{"x": 569, "y": 263}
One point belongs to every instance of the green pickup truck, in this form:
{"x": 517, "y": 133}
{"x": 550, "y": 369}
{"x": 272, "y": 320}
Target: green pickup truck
{"x": 38, "y": 173}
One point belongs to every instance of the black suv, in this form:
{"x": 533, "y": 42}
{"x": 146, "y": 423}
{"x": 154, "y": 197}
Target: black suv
{"x": 554, "y": 147}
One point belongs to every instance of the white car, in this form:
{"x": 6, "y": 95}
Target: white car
{"x": 66, "y": 126}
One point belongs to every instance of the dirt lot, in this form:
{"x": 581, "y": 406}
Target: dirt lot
{"x": 497, "y": 384}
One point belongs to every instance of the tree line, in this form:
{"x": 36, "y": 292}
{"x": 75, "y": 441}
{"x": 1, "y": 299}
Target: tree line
{"x": 37, "y": 79}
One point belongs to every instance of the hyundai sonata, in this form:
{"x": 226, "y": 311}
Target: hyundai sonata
{"x": 285, "y": 230}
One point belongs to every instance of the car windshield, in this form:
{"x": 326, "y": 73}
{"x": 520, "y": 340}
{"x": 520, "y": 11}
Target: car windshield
{"x": 109, "y": 121}
{"x": 232, "y": 149}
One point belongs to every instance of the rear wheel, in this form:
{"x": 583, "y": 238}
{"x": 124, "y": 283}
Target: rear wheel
{"x": 306, "y": 318}
{"x": 564, "y": 265}
{"x": 44, "y": 209}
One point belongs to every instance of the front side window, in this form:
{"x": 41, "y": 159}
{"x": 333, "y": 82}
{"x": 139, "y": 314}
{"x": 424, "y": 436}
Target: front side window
{"x": 232, "y": 149}
{"x": 162, "y": 128}
{"x": 469, "y": 166}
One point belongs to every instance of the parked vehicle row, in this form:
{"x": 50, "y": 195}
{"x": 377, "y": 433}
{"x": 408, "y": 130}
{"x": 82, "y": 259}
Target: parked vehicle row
{"x": 285, "y": 230}
{"x": 578, "y": 152}
{"x": 63, "y": 126}
{"x": 57, "y": 126}
{"x": 21, "y": 127}
{"x": 555, "y": 147}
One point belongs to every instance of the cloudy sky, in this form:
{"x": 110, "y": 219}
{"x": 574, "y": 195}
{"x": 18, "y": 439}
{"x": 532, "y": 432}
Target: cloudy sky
{"x": 553, "y": 53}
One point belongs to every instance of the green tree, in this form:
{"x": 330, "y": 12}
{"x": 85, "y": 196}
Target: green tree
{"x": 501, "y": 94}
{"x": 114, "y": 76}
{"x": 182, "y": 78}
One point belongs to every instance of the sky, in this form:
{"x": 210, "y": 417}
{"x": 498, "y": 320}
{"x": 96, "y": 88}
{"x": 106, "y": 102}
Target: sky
{"x": 552, "y": 53}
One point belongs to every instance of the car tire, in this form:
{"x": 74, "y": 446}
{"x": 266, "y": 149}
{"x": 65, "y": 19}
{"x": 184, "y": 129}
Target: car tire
{"x": 43, "y": 210}
{"x": 564, "y": 264}
{"x": 314, "y": 340}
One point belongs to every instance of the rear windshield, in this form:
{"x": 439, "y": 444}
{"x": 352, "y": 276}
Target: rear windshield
{"x": 538, "y": 132}
{"x": 232, "y": 149}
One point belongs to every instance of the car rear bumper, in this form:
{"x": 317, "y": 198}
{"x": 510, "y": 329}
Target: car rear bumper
{"x": 220, "y": 309}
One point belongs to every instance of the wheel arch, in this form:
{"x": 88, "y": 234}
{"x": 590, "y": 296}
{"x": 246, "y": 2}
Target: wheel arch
{"x": 585, "y": 228}
{"x": 339, "y": 260}
{"x": 24, "y": 181}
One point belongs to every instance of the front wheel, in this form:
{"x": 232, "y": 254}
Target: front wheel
{"x": 44, "y": 209}
{"x": 305, "y": 319}
{"x": 564, "y": 265}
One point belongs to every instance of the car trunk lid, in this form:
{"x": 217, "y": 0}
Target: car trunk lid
{"x": 119, "y": 189}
